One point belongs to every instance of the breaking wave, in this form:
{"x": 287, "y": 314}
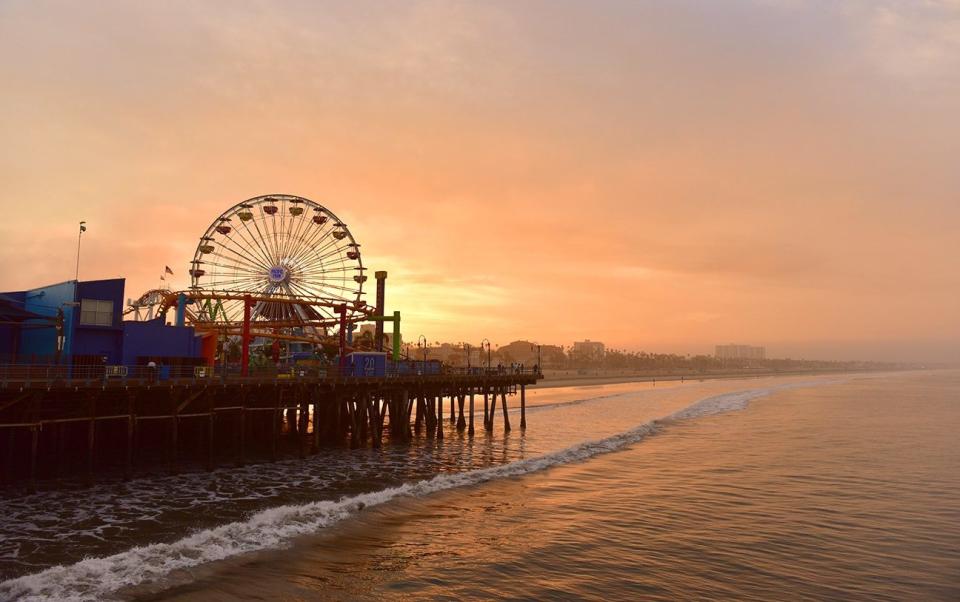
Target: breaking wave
{"x": 96, "y": 578}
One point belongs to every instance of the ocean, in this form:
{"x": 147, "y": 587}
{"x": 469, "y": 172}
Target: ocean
{"x": 809, "y": 488}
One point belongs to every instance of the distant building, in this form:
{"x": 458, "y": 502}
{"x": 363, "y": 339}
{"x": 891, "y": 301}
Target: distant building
{"x": 740, "y": 352}
{"x": 552, "y": 356}
{"x": 588, "y": 350}
{"x": 370, "y": 330}
{"x": 521, "y": 352}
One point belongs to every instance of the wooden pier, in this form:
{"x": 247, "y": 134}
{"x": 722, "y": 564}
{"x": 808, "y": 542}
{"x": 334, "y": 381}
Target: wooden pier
{"x": 88, "y": 427}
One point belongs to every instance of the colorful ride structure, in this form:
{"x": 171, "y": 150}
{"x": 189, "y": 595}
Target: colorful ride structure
{"x": 277, "y": 267}
{"x": 144, "y": 308}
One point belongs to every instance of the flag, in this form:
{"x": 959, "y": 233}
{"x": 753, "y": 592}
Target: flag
{"x": 168, "y": 271}
{"x": 162, "y": 278}
{"x": 83, "y": 226}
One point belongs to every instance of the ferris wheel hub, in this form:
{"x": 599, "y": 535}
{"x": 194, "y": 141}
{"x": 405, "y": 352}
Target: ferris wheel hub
{"x": 278, "y": 274}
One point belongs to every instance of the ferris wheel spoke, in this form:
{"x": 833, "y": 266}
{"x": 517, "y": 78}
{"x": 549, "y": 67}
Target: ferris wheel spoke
{"x": 316, "y": 291}
{"x": 241, "y": 246}
{"x": 262, "y": 234}
{"x": 233, "y": 286}
{"x": 259, "y": 240}
{"x": 230, "y": 265}
{"x": 317, "y": 308}
{"x": 225, "y": 279}
{"x": 283, "y": 227}
{"x": 274, "y": 237}
{"x": 296, "y": 243}
{"x": 321, "y": 273}
{"x": 237, "y": 261}
{"x": 314, "y": 238}
{"x": 328, "y": 258}
{"x": 245, "y": 238}
{"x": 290, "y": 225}
{"x": 220, "y": 284}
{"x": 233, "y": 278}
{"x": 334, "y": 246}
{"x": 283, "y": 238}
{"x": 332, "y": 265}
{"x": 238, "y": 249}
{"x": 325, "y": 260}
{"x": 320, "y": 249}
{"x": 325, "y": 236}
{"x": 320, "y": 279}
{"x": 233, "y": 275}
{"x": 308, "y": 230}
{"x": 241, "y": 256}
{"x": 299, "y": 310}
{"x": 327, "y": 285}
{"x": 294, "y": 230}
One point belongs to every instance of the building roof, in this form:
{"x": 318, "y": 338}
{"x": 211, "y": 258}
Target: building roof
{"x": 11, "y": 312}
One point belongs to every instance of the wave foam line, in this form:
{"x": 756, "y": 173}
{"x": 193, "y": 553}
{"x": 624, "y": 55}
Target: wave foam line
{"x": 96, "y": 578}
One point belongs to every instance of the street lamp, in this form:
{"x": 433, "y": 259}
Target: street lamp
{"x": 466, "y": 347}
{"x": 487, "y": 343}
{"x": 422, "y": 343}
{"x": 83, "y": 228}
{"x": 539, "y": 362}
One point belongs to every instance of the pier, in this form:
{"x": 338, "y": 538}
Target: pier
{"x": 255, "y": 360}
{"x": 82, "y": 427}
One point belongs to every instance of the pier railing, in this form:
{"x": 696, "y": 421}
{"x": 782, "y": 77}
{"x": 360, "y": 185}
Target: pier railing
{"x": 107, "y": 374}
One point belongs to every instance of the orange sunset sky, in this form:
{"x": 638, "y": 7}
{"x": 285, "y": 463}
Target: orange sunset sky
{"x": 662, "y": 175}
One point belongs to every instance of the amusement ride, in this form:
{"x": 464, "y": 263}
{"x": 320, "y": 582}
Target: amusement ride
{"x": 277, "y": 267}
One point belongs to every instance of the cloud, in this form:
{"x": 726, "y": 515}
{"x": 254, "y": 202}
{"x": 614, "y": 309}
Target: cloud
{"x": 652, "y": 173}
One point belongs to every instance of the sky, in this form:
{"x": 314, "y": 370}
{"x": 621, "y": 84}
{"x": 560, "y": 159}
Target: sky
{"x": 658, "y": 175}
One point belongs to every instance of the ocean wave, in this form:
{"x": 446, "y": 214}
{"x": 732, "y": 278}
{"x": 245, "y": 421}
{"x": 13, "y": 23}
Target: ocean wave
{"x": 97, "y": 578}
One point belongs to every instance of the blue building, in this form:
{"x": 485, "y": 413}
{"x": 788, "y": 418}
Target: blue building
{"x": 81, "y": 323}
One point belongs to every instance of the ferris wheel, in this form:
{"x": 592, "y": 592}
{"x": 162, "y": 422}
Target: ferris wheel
{"x": 283, "y": 247}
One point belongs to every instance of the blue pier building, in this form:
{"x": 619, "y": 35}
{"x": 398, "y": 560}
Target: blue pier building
{"x": 81, "y": 323}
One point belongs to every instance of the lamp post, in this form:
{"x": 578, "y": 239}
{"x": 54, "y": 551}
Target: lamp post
{"x": 537, "y": 346}
{"x": 83, "y": 228}
{"x": 487, "y": 343}
{"x": 466, "y": 347}
{"x": 422, "y": 343}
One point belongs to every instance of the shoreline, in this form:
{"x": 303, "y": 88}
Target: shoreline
{"x": 612, "y": 379}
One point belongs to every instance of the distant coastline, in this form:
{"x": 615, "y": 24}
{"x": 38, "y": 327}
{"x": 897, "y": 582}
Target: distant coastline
{"x": 572, "y": 378}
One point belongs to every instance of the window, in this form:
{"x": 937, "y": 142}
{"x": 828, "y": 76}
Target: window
{"x": 96, "y": 313}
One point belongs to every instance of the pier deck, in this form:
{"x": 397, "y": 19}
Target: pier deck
{"x": 58, "y": 427}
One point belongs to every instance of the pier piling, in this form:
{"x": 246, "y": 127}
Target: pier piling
{"x": 523, "y": 407}
{"x": 123, "y": 429}
{"x": 470, "y": 428}
{"x": 503, "y": 406}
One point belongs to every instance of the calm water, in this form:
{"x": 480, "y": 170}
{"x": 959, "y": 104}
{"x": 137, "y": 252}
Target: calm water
{"x": 805, "y": 488}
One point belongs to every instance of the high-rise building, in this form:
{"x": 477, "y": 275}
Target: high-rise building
{"x": 740, "y": 352}
{"x": 588, "y": 350}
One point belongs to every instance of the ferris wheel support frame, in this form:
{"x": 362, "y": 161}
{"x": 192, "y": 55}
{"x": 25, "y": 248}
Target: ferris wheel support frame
{"x": 395, "y": 318}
